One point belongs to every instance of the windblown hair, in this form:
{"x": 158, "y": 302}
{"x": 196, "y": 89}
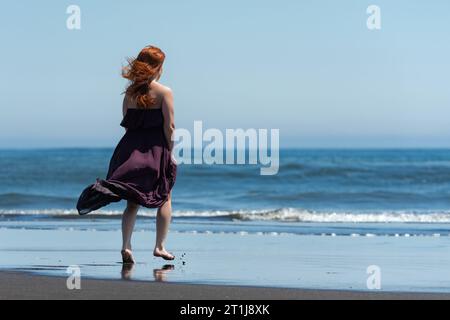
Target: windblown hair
{"x": 141, "y": 72}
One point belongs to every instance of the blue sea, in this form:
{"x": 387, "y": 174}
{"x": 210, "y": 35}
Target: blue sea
{"x": 316, "y": 192}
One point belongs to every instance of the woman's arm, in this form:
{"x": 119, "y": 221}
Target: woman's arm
{"x": 168, "y": 114}
{"x": 125, "y": 107}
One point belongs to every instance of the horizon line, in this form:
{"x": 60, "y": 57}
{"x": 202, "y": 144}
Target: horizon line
{"x": 280, "y": 148}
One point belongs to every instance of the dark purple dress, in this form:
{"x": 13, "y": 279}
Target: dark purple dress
{"x": 141, "y": 168}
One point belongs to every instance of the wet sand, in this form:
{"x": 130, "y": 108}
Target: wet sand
{"x": 311, "y": 266}
{"x": 14, "y": 285}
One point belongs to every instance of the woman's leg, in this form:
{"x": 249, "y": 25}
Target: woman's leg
{"x": 128, "y": 221}
{"x": 163, "y": 217}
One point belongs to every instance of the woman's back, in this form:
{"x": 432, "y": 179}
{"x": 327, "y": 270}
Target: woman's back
{"x": 157, "y": 93}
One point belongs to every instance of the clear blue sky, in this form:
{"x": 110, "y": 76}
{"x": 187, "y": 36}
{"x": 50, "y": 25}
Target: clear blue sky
{"x": 310, "y": 68}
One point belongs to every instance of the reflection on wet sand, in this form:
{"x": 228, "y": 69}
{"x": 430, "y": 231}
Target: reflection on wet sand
{"x": 127, "y": 271}
{"x": 161, "y": 274}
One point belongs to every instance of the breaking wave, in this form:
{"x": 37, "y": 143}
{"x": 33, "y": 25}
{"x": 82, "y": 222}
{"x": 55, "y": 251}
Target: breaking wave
{"x": 278, "y": 215}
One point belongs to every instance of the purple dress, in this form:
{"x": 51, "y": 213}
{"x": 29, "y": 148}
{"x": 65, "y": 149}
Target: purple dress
{"x": 141, "y": 168}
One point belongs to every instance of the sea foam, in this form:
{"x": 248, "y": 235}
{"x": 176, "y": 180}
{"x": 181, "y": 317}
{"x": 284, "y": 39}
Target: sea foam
{"x": 278, "y": 215}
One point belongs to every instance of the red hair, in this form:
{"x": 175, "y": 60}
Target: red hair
{"x": 141, "y": 72}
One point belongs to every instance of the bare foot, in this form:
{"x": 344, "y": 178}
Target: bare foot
{"x": 162, "y": 253}
{"x": 127, "y": 256}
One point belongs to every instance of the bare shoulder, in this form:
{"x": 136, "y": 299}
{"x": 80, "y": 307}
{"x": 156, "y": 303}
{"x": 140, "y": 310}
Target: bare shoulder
{"x": 162, "y": 89}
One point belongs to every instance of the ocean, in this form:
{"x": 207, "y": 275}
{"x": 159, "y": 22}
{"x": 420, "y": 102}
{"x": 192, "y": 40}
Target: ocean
{"x": 316, "y": 192}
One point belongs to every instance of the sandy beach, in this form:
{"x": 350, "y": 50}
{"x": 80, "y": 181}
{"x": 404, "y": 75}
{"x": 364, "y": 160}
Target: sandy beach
{"x": 27, "y": 286}
{"x": 221, "y": 266}
{"x": 295, "y": 150}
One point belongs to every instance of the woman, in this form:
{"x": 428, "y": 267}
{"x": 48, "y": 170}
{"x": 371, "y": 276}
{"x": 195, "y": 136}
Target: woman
{"x": 141, "y": 169}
